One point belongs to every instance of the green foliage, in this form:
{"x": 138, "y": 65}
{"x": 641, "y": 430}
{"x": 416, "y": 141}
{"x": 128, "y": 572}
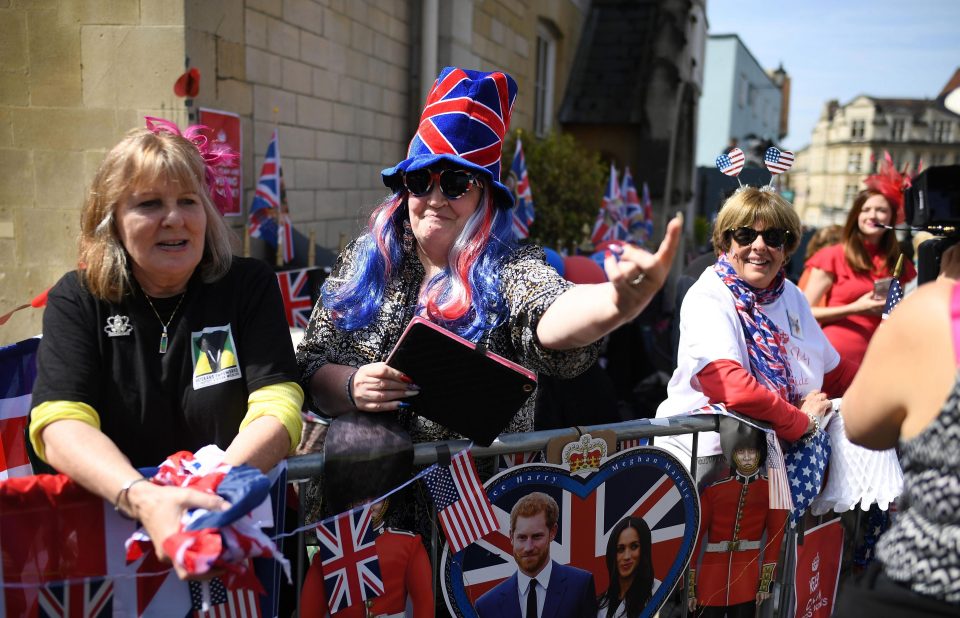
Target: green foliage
{"x": 566, "y": 181}
{"x": 701, "y": 230}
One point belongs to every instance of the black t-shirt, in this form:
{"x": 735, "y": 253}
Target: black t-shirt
{"x": 226, "y": 340}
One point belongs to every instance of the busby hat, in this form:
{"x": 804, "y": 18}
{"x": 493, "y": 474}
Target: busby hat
{"x": 465, "y": 119}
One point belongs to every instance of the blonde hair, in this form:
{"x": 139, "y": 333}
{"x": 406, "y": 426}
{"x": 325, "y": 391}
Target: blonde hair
{"x": 142, "y": 158}
{"x": 749, "y": 206}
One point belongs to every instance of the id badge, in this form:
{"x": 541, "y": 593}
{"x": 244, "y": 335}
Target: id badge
{"x": 795, "y": 329}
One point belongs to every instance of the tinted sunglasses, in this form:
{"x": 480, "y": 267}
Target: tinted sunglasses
{"x": 453, "y": 183}
{"x": 773, "y": 237}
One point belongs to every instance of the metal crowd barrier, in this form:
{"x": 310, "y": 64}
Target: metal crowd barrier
{"x": 306, "y": 467}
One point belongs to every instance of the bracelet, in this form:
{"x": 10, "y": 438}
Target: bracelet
{"x": 126, "y": 488}
{"x": 349, "y": 388}
{"x": 816, "y": 424}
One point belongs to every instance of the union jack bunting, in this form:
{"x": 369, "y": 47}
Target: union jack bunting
{"x": 731, "y": 163}
{"x": 466, "y": 118}
{"x": 463, "y": 507}
{"x": 349, "y": 559}
{"x": 523, "y": 209}
{"x": 18, "y": 370}
{"x": 87, "y": 599}
{"x": 777, "y": 161}
{"x": 295, "y": 290}
{"x": 610, "y": 224}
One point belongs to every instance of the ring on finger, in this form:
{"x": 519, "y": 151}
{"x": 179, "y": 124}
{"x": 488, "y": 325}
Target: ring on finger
{"x": 636, "y": 281}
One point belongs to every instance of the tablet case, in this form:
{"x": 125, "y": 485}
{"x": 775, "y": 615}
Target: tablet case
{"x": 467, "y": 389}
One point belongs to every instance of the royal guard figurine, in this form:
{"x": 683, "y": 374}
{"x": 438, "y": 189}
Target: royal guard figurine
{"x": 740, "y": 536}
{"x": 366, "y": 456}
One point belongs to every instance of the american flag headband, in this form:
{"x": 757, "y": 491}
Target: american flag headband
{"x": 214, "y": 154}
{"x": 776, "y": 160}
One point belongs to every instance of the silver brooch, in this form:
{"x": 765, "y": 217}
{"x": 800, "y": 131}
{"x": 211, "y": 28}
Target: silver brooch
{"x": 118, "y": 326}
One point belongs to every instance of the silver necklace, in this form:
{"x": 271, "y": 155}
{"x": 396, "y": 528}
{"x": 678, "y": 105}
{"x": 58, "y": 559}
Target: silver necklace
{"x": 164, "y": 340}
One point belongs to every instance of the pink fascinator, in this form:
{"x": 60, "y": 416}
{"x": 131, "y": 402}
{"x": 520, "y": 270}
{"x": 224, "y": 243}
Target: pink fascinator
{"x": 214, "y": 156}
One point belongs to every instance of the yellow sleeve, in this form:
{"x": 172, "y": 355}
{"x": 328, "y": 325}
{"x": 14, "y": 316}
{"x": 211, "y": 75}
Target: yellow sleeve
{"x": 282, "y": 401}
{"x": 50, "y": 411}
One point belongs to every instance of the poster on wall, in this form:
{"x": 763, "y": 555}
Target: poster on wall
{"x": 630, "y": 521}
{"x": 225, "y": 128}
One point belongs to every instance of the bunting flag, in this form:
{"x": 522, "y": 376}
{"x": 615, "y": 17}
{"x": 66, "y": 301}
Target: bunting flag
{"x": 267, "y": 217}
{"x": 18, "y": 370}
{"x": 295, "y": 291}
{"x": 610, "y": 224}
{"x": 349, "y": 559}
{"x": 523, "y": 209}
{"x": 464, "y": 510}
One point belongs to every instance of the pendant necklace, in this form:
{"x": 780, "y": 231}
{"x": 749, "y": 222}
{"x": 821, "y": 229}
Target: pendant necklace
{"x": 164, "y": 340}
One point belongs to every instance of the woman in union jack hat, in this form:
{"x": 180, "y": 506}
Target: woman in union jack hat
{"x": 441, "y": 246}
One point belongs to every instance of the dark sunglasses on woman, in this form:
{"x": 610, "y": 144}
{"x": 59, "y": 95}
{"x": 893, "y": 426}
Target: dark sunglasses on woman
{"x": 773, "y": 237}
{"x": 453, "y": 183}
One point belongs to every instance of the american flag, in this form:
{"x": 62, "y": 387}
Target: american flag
{"x": 731, "y": 163}
{"x": 894, "y": 296}
{"x": 806, "y": 462}
{"x": 610, "y": 224}
{"x": 349, "y": 559}
{"x": 523, "y": 210}
{"x": 777, "y": 161}
{"x": 635, "y": 484}
{"x": 18, "y": 370}
{"x": 219, "y": 602}
{"x": 463, "y": 507}
{"x": 266, "y": 217}
{"x": 295, "y": 290}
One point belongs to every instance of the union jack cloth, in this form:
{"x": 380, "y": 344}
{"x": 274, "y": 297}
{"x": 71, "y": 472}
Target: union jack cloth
{"x": 295, "y": 290}
{"x": 464, "y": 510}
{"x": 18, "y": 371}
{"x": 523, "y": 209}
{"x": 349, "y": 559}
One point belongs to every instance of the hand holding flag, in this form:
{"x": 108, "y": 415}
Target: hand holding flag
{"x": 895, "y": 293}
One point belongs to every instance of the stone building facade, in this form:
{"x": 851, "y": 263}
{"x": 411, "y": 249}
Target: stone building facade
{"x": 849, "y": 139}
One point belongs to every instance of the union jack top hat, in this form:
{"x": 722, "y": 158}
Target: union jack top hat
{"x": 465, "y": 119}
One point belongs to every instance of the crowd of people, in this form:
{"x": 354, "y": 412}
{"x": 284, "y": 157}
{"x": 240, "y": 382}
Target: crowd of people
{"x": 163, "y": 341}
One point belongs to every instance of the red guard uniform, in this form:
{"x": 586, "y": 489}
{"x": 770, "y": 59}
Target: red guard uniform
{"x": 405, "y": 570}
{"x": 735, "y": 514}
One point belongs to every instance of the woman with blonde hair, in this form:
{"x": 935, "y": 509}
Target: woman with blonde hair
{"x": 161, "y": 340}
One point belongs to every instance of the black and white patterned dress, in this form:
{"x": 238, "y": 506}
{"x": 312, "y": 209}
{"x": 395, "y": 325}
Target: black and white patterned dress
{"x": 922, "y": 548}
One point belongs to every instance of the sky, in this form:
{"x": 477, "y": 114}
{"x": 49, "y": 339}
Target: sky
{"x": 838, "y": 49}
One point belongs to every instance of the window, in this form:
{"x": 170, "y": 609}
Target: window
{"x": 942, "y": 130}
{"x": 849, "y": 194}
{"x": 897, "y": 129}
{"x": 854, "y": 161}
{"x": 857, "y": 128}
{"x": 939, "y": 158}
{"x": 543, "y": 86}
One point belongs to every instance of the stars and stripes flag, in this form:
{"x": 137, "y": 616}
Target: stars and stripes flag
{"x": 464, "y": 510}
{"x": 777, "y": 161}
{"x": 349, "y": 559}
{"x": 894, "y": 296}
{"x": 218, "y": 602}
{"x": 18, "y": 370}
{"x": 806, "y": 462}
{"x": 610, "y": 224}
{"x": 730, "y": 163}
{"x": 295, "y": 291}
{"x": 267, "y": 220}
{"x": 523, "y": 209}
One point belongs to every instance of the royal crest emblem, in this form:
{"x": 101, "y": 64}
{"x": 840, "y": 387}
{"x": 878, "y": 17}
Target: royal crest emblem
{"x": 118, "y": 326}
{"x": 584, "y": 455}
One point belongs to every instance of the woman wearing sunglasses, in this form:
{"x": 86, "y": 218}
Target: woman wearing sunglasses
{"x": 442, "y": 247}
{"x": 747, "y": 337}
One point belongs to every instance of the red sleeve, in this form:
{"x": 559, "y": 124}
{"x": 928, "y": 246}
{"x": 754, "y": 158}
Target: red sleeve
{"x": 727, "y": 382}
{"x": 419, "y": 581}
{"x": 836, "y": 382}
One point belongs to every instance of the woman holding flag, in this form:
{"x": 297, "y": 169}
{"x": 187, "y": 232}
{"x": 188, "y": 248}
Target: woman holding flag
{"x": 161, "y": 341}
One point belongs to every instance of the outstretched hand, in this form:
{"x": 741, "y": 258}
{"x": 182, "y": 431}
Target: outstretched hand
{"x": 636, "y": 273}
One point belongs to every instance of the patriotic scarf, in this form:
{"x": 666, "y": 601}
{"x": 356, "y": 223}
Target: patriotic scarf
{"x": 765, "y": 341}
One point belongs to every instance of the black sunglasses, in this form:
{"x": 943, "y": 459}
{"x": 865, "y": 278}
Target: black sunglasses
{"x": 773, "y": 237}
{"x": 453, "y": 183}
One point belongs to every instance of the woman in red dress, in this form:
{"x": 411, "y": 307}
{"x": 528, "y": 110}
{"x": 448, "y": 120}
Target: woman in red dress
{"x": 845, "y": 273}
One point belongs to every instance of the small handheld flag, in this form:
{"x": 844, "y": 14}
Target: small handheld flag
{"x": 523, "y": 209}
{"x": 895, "y": 293}
{"x": 267, "y": 221}
{"x": 464, "y": 510}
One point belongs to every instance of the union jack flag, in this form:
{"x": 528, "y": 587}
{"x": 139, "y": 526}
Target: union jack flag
{"x": 18, "y": 370}
{"x": 486, "y": 105}
{"x": 295, "y": 290}
{"x": 267, "y": 219}
{"x": 87, "y": 599}
{"x": 610, "y": 224}
{"x": 523, "y": 209}
{"x": 647, "y": 204}
{"x": 730, "y": 163}
{"x": 350, "y": 563}
{"x": 634, "y": 485}
{"x": 638, "y": 214}
{"x": 463, "y": 507}
{"x": 518, "y": 459}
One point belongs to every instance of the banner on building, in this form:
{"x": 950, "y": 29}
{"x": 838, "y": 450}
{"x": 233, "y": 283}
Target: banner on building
{"x": 225, "y": 128}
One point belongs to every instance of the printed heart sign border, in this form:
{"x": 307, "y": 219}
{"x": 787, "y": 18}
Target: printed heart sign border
{"x": 646, "y": 481}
